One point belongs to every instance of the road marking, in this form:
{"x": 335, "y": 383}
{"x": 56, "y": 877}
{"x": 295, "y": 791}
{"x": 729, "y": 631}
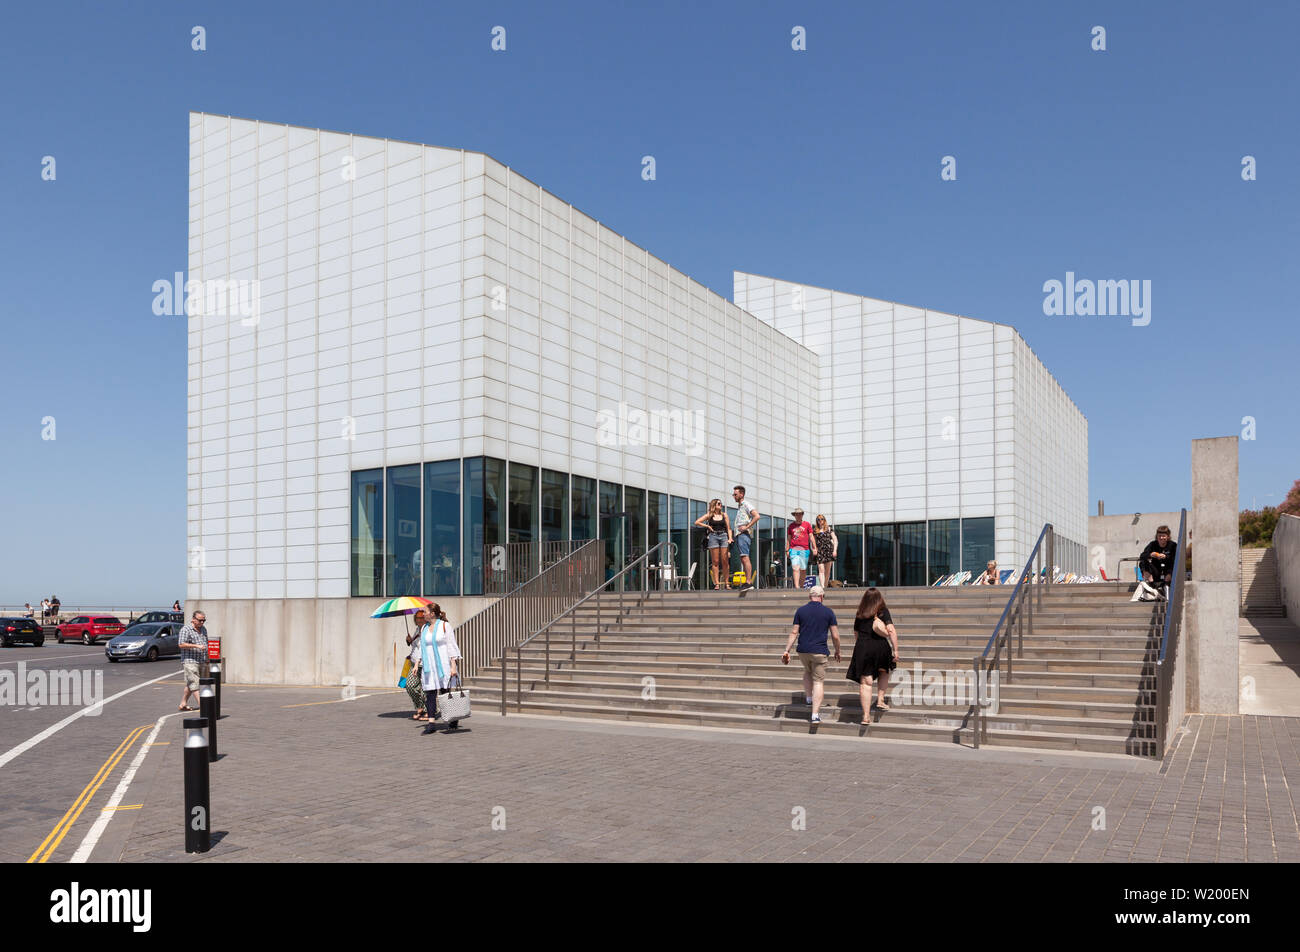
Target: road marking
{"x": 92, "y": 836}
{"x": 61, "y": 828}
{"x": 133, "y": 806}
{"x": 340, "y": 700}
{"x": 51, "y": 731}
{"x": 38, "y": 658}
{"x": 160, "y": 743}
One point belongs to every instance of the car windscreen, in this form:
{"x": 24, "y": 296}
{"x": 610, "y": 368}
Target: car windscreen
{"x": 107, "y": 620}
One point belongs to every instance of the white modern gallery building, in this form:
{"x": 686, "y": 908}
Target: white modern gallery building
{"x": 441, "y": 355}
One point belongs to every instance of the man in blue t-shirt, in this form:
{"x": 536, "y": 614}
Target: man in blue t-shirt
{"x": 812, "y": 622}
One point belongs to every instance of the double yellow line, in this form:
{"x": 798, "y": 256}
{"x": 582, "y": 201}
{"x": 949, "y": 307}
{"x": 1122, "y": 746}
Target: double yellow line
{"x": 61, "y": 828}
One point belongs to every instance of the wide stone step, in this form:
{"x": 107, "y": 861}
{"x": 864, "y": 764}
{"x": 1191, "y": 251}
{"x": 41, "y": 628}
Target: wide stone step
{"x": 742, "y": 654}
{"x": 836, "y": 723}
{"x": 1125, "y": 685}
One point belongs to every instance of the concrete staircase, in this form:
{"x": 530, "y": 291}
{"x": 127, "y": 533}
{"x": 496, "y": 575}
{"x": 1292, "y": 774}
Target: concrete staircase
{"x": 1260, "y": 594}
{"x": 705, "y": 658}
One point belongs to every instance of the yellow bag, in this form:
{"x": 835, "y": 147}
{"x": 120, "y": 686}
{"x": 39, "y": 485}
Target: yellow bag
{"x": 738, "y": 578}
{"x": 406, "y": 672}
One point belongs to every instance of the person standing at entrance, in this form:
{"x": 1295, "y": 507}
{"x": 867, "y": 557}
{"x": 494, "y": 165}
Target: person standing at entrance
{"x": 746, "y": 520}
{"x": 797, "y": 537}
{"x": 825, "y": 546}
{"x": 812, "y": 622}
{"x": 717, "y": 524}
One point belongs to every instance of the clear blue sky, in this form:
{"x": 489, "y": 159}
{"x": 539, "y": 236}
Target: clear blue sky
{"x": 819, "y": 166}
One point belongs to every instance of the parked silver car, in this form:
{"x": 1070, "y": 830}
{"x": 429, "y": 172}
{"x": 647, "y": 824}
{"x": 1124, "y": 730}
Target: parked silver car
{"x": 149, "y": 641}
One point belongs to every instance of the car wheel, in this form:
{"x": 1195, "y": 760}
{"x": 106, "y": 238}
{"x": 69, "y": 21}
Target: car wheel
{"x": 86, "y": 639}
{"x": 39, "y": 641}
{"x": 152, "y": 655}
{"x": 6, "y": 642}
{"x": 112, "y": 660}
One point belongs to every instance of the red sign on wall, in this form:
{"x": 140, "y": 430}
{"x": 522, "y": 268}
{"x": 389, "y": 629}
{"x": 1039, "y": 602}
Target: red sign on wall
{"x": 214, "y": 649}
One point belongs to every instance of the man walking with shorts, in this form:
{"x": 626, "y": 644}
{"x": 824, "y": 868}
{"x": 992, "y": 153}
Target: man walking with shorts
{"x": 746, "y": 519}
{"x": 811, "y": 623}
{"x": 193, "y": 641}
{"x": 798, "y": 537}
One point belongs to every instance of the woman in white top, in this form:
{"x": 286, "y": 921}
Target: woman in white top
{"x": 439, "y": 655}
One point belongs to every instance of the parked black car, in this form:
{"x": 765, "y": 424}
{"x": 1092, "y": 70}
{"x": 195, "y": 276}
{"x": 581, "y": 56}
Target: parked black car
{"x": 149, "y": 618}
{"x": 13, "y": 630}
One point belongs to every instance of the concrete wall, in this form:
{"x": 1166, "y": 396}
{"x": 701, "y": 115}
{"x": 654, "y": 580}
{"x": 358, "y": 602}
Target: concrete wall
{"x": 1286, "y": 546}
{"x": 1214, "y": 594}
{"x": 1111, "y": 538}
{"x": 318, "y": 641}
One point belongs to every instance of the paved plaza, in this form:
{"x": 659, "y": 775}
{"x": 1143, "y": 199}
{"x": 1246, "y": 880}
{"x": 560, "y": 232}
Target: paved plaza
{"x": 301, "y": 780}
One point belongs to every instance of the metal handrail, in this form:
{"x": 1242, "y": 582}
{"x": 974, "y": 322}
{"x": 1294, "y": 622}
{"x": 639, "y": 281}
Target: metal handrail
{"x": 570, "y": 612}
{"x": 1173, "y": 624}
{"x": 510, "y": 565}
{"x": 488, "y": 635}
{"x": 1023, "y": 605}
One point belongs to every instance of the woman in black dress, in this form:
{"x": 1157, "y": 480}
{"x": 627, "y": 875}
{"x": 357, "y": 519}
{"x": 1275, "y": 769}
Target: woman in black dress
{"x": 875, "y": 653}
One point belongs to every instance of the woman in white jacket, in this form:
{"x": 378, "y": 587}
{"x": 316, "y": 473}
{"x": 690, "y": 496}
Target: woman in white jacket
{"x": 439, "y": 655}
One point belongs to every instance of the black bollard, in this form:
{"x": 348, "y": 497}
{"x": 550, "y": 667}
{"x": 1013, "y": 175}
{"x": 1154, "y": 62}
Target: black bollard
{"x": 198, "y": 825}
{"x": 207, "y": 710}
{"x": 214, "y": 669}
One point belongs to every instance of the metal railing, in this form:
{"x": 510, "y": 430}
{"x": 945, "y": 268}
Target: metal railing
{"x": 508, "y": 565}
{"x": 612, "y": 584}
{"x": 487, "y": 636}
{"x": 1166, "y": 662}
{"x": 1019, "y": 614}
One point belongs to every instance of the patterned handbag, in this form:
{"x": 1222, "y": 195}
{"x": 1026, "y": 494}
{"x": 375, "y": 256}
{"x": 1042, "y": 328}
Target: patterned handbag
{"x": 454, "y": 705}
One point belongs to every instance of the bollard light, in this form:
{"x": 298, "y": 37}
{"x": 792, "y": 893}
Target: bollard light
{"x": 198, "y": 821}
{"x": 208, "y": 712}
{"x": 214, "y": 669}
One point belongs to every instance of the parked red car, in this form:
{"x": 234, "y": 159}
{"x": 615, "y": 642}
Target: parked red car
{"x": 90, "y": 628}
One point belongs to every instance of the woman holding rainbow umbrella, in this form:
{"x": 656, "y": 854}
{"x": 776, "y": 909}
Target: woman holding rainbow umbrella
{"x": 410, "y": 679}
{"x": 439, "y": 655}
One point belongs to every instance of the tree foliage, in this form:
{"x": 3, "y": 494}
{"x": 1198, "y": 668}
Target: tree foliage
{"x": 1255, "y": 526}
{"x": 1291, "y": 504}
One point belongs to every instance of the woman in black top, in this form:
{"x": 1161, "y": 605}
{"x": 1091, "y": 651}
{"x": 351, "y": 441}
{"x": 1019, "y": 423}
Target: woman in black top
{"x": 719, "y": 540}
{"x": 875, "y": 653}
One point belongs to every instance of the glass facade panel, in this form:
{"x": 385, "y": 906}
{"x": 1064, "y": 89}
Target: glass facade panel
{"x": 611, "y": 526}
{"x": 584, "y": 508}
{"x": 848, "y": 561}
{"x": 762, "y": 554}
{"x": 698, "y": 553}
{"x": 368, "y": 532}
{"x": 779, "y": 553}
{"x": 657, "y": 529}
{"x": 523, "y": 504}
{"x": 634, "y": 503}
{"x": 911, "y": 553}
{"x": 880, "y": 555}
{"x": 734, "y": 552}
{"x": 402, "y": 531}
{"x": 977, "y": 544}
{"x": 484, "y": 509}
{"x": 442, "y": 528}
{"x": 555, "y": 506}
{"x": 944, "y": 549}
{"x": 681, "y": 534}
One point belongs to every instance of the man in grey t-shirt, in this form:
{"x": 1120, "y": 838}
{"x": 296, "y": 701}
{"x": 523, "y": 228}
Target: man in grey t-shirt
{"x": 746, "y": 522}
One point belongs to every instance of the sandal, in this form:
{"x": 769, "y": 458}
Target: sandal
{"x": 882, "y": 706}
{"x": 185, "y": 708}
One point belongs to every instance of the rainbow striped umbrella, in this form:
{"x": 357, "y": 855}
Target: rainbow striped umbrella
{"x": 405, "y": 605}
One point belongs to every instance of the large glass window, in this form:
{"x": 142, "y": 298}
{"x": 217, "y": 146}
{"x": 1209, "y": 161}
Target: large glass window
{"x": 634, "y": 503}
{"x": 681, "y": 535}
{"x": 555, "y": 506}
{"x": 944, "y": 551}
{"x": 368, "y": 532}
{"x": 733, "y": 554}
{"x": 611, "y": 526}
{"x": 977, "y": 544}
{"x": 698, "y": 553}
{"x": 880, "y": 555}
{"x": 762, "y": 554}
{"x": 848, "y": 558}
{"x": 442, "y": 528}
{"x": 523, "y": 503}
{"x": 584, "y": 508}
{"x": 779, "y": 539}
{"x": 657, "y": 526}
{"x": 911, "y": 553}
{"x": 405, "y": 568}
{"x": 484, "y": 515}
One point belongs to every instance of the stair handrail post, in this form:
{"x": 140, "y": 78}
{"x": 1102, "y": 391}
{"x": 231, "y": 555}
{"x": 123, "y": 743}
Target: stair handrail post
{"x": 979, "y": 703}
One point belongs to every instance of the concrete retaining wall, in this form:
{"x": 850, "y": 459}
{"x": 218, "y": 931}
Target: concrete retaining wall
{"x": 1111, "y": 538}
{"x": 315, "y": 640}
{"x": 1286, "y": 546}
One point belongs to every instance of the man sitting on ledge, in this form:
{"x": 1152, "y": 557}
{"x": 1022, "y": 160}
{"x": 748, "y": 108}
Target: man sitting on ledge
{"x": 1157, "y": 565}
